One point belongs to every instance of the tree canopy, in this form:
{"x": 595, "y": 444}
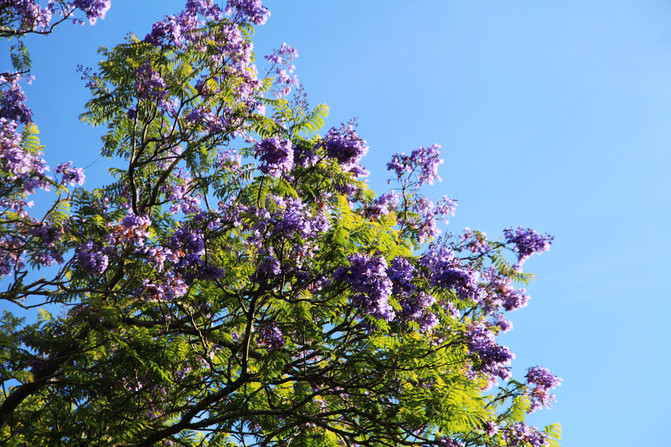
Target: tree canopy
{"x": 238, "y": 283}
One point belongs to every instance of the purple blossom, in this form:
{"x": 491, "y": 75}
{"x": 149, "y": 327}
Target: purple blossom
{"x": 347, "y": 148}
{"x": 449, "y": 442}
{"x": 74, "y": 176}
{"x": 520, "y": 434}
{"x": 504, "y": 324}
{"x": 367, "y": 275}
{"x": 423, "y": 161}
{"x": 168, "y": 31}
{"x": 542, "y": 381}
{"x": 415, "y": 305}
{"x": 48, "y": 234}
{"x": 25, "y": 168}
{"x": 131, "y": 230}
{"x": 452, "y": 309}
{"x": 29, "y": 15}
{"x": 271, "y": 336}
{"x": 295, "y": 219}
{"x": 269, "y": 266}
{"x": 382, "y": 205}
{"x": 277, "y": 156}
{"x": 500, "y": 293}
{"x": 207, "y": 8}
{"x": 150, "y": 85}
{"x": 188, "y": 246}
{"x": 447, "y": 272}
{"x": 282, "y": 59}
{"x": 157, "y": 256}
{"x": 181, "y": 194}
{"x": 527, "y": 242}
{"x": 282, "y": 55}
{"x": 213, "y": 123}
{"x": 494, "y": 359}
{"x": 515, "y": 299}
{"x": 430, "y": 213}
{"x": 132, "y": 221}
{"x": 10, "y": 258}
{"x": 14, "y": 159}
{"x": 13, "y": 102}
{"x": 474, "y": 241}
{"x": 464, "y": 281}
{"x": 401, "y": 273}
{"x": 94, "y": 9}
{"x": 187, "y": 240}
{"x": 490, "y": 428}
{"x": 174, "y": 287}
{"x": 248, "y": 10}
{"x": 91, "y": 258}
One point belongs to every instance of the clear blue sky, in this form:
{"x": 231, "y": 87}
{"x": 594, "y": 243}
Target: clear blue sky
{"x": 554, "y": 115}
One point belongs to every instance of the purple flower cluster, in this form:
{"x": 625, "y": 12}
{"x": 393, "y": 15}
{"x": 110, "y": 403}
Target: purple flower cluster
{"x": 207, "y": 8}
{"x": 169, "y": 288}
{"x": 149, "y": 85}
{"x": 382, "y": 205}
{"x": 132, "y": 222}
{"x": 27, "y": 15}
{"x": 247, "y": 10}
{"x": 204, "y": 116}
{"x": 92, "y": 258}
{"x": 430, "y": 213}
{"x": 49, "y": 251}
{"x": 490, "y": 428}
{"x": 15, "y": 160}
{"x": 449, "y": 442}
{"x": 25, "y": 168}
{"x": 10, "y": 258}
{"x": 347, "y": 148}
{"x": 271, "y": 336}
{"x": 494, "y": 359}
{"x": 520, "y": 434}
{"x": 295, "y": 220}
{"x": 515, "y": 299}
{"x": 282, "y": 59}
{"x": 94, "y": 9}
{"x": 423, "y": 161}
{"x": 156, "y": 256}
{"x": 74, "y": 176}
{"x": 187, "y": 241}
{"x": 172, "y": 30}
{"x": 367, "y": 275}
{"x": 527, "y": 241}
{"x": 188, "y": 247}
{"x": 131, "y": 231}
{"x": 500, "y": 293}
{"x": 181, "y": 194}
{"x": 461, "y": 279}
{"x": 503, "y": 324}
{"x": 276, "y": 155}
{"x": 183, "y": 29}
{"x": 415, "y": 305}
{"x": 542, "y": 381}
{"x": 13, "y": 101}
{"x": 447, "y": 272}
{"x": 474, "y": 241}
{"x": 182, "y": 200}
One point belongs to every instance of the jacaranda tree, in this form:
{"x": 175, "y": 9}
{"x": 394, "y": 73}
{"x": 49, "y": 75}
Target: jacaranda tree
{"x": 237, "y": 283}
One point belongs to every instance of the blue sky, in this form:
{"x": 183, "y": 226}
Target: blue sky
{"x": 553, "y": 115}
